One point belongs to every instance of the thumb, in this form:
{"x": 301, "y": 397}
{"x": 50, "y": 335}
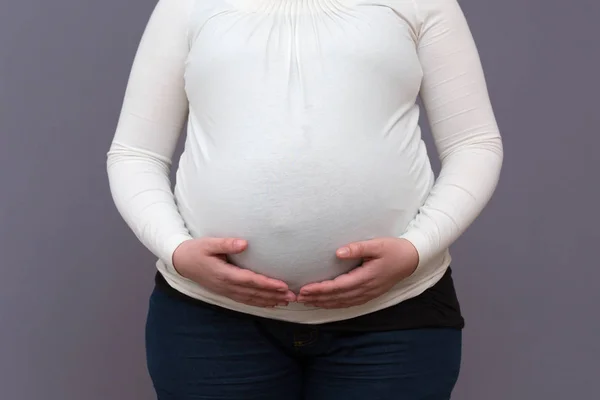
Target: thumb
{"x": 364, "y": 249}
{"x": 225, "y": 245}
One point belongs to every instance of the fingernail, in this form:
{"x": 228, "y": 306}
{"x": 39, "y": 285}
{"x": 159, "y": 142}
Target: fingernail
{"x": 238, "y": 243}
{"x": 343, "y": 252}
{"x": 290, "y": 297}
{"x": 282, "y": 290}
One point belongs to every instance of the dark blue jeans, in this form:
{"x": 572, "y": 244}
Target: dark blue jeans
{"x": 202, "y": 353}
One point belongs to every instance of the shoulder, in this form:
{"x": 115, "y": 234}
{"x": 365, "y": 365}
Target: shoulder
{"x": 175, "y": 7}
{"x": 439, "y": 15}
{"x": 419, "y": 12}
{"x": 428, "y": 8}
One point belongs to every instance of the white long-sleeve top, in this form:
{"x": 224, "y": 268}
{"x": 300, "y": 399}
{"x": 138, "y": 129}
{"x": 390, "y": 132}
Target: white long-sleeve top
{"x": 303, "y": 136}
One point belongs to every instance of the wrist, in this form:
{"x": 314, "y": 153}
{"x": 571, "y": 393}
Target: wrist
{"x": 419, "y": 245}
{"x": 410, "y": 253}
{"x": 173, "y": 251}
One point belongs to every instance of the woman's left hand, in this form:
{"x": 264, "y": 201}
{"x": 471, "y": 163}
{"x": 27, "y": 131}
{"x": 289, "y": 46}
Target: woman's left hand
{"x": 386, "y": 261}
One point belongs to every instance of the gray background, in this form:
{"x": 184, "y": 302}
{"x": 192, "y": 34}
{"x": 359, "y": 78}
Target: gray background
{"x": 74, "y": 282}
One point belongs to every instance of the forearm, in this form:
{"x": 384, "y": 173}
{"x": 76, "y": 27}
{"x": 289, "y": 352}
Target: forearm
{"x": 141, "y": 190}
{"x": 465, "y": 185}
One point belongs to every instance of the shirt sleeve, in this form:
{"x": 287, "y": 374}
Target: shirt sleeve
{"x": 464, "y": 128}
{"x": 153, "y": 114}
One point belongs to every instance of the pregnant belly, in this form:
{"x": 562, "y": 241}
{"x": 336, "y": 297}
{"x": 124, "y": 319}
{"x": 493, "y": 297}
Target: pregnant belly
{"x": 295, "y": 212}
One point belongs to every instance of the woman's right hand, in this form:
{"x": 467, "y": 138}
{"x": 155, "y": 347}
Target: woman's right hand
{"x": 204, "y": 262}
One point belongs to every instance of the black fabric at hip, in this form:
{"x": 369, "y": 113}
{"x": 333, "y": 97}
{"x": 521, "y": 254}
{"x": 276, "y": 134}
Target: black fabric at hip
{"x": 437, "y": 307}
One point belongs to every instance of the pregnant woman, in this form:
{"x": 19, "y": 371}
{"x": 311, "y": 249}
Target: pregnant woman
{"x": 303, "y": 252}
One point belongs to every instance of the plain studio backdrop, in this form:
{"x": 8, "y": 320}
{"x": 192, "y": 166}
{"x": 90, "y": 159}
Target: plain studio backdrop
{"x": 75, "y": 282}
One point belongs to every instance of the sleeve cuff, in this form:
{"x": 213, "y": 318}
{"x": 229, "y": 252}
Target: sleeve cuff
{"x": 421, "y": 243}
{"x": 169, "y": 248}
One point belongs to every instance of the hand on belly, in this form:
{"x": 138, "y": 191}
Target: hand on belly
{"x": 296, "y": 213}
{"x": 386, "y": 261}
{"x": 294, "y": 264}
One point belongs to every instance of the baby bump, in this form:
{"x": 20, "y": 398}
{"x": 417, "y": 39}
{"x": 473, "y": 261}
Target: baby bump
{"x": 295, "y": 213}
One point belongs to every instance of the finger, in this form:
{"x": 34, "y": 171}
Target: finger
{"x": 343, "y": 283}
{"x": 247, "y": 278}
{"x": 365, "y": 249}
{"x": 258, "y": 297}
{"x": 316, "y": 289}
{"x": 276, "y": 297}
{"x": 244, "y": 278}
{"x": 216, "y": 246}
{"x": 339, "y": 297}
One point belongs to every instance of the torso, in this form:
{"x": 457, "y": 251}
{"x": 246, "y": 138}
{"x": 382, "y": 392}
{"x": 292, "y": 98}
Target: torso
{"x": 303, "y": 131}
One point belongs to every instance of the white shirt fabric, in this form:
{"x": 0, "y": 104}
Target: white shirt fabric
{"x": 303, "y": 136}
